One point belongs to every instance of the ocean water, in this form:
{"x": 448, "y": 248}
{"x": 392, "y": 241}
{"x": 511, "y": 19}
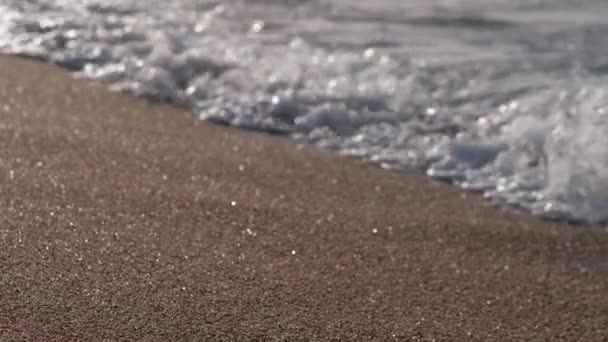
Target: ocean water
{"x": 506, "y": 97}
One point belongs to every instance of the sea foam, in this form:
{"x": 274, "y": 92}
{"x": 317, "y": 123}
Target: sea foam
{"x": 504, "y": 97}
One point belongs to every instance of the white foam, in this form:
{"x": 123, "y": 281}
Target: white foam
{"x": 499, "y": 96}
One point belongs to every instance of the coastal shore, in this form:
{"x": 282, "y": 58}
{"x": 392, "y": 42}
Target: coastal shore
{"x": 127, "y": 220}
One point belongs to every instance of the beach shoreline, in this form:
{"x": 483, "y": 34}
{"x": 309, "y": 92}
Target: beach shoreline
{"x": 126, "y": 220}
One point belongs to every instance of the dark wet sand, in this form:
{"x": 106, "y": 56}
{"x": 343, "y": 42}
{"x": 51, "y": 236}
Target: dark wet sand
{"x": 122, "y": 220}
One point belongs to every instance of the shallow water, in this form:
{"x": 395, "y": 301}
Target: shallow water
{"x": 505, "y": 97}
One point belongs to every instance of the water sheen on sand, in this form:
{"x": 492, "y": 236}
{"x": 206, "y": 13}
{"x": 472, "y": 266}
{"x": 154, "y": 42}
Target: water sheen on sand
{"x": 505, "y": 97}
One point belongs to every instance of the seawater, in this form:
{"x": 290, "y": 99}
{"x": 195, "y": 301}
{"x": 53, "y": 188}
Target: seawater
{"x": 505, "y": 97}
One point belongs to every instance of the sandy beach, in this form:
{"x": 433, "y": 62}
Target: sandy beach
{"x": 122, "y": 220}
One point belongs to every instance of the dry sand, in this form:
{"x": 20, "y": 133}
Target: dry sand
{"x": 123, "y": 220}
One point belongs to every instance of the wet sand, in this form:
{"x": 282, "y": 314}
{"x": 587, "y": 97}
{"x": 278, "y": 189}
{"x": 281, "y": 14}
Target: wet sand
{"x": 124, "y": 220}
